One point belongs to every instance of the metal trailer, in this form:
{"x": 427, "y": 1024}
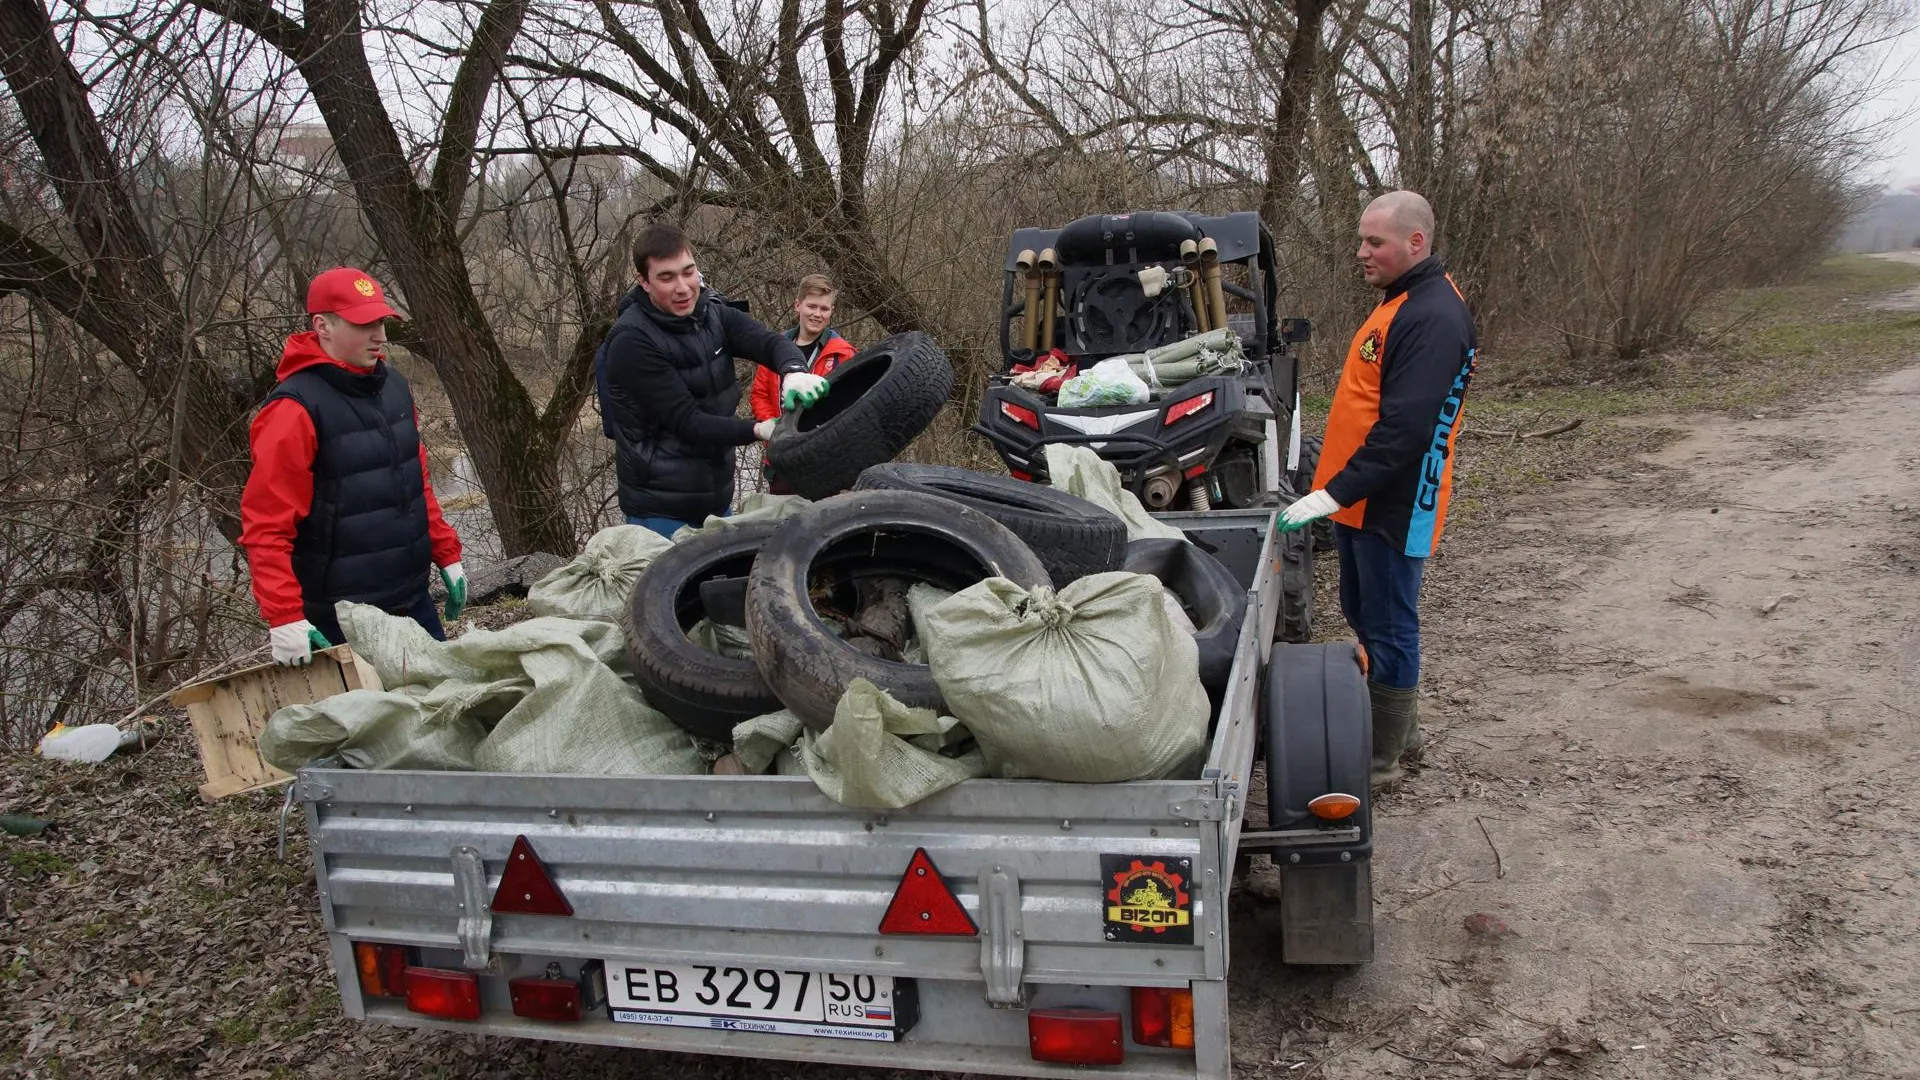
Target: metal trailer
{"x": 744, "y": 915}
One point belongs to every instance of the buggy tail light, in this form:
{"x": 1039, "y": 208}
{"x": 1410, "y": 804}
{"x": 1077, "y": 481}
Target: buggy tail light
{"x": 382, "y": 969}
{"x": 1075, "y": 1036}
{"x": 1163, "y": 1016}
{"x": 1020, "y": 414}
{"x": 443, "y": 994}
{"x": 1334, "y": 806}
{"x": 924, "y": 904}
{"x": 1180, "y": 410}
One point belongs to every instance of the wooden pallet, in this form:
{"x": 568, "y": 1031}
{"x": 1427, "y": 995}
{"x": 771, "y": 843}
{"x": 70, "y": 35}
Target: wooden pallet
{"x": 229, "y": 713}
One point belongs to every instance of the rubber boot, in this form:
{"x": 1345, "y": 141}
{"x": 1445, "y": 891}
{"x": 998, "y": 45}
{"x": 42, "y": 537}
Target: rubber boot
{"x": 1396, "y": 714}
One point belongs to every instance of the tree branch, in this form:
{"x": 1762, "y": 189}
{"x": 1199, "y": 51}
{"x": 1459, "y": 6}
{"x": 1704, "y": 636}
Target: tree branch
{"x": 459, "y": 130}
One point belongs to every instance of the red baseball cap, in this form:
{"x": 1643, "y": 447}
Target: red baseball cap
{"x": 351, "y": 294}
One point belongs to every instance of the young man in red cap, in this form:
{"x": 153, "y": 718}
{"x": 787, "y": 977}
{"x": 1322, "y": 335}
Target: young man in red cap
{"x": 339, "y": 505}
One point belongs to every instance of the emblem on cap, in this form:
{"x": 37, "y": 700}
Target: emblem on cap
{"x": 363, "y": 286}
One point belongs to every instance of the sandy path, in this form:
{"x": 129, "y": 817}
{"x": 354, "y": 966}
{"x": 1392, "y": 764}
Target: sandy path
{"x": 1684, "y": 703}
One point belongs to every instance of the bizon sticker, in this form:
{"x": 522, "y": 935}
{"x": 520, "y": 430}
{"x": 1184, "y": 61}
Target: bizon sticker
{"x": 1147, "y": 899}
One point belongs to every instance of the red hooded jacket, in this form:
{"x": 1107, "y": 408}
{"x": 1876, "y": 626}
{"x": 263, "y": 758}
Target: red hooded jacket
{"x": 279, "y": 491}
{"x": 766, "y": 384}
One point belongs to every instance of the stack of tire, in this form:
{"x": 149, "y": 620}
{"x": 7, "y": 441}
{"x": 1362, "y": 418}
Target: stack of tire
{"x": 900, "y": 525}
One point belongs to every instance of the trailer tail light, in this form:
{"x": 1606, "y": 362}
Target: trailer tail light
{"x": 1075, "y": 1036}
{"x": 1020, "y": 414}
{"x": 382, "y": 968}
{"x": 442, "y": 994}
{"x": 1163, "y": 1016}
{"x": 1018, "y": 475}
{"x": 923, "y": 904}
{"x": 545, "y": 999}
{"x": 1183, "y": 409}
{"x": 525, "y": 886}
{"x": 1334, "y": 806}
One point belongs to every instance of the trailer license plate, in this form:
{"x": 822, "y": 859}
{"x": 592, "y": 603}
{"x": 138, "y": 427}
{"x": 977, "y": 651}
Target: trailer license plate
{"x": 770, "y": 1000}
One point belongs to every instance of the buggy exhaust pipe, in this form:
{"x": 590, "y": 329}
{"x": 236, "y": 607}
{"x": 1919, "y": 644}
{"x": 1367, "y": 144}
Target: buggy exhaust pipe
{"x": 1050, "y": 296}
{"x": 1196, "y": 288}
{"x": 1159, "y": 488}
{"x": 1216, "y": 295}
{"x": 1030, "y": 325}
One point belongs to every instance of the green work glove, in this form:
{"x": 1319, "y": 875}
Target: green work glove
{"x": 455, "y": 580}
{"x": 800, "y": 390}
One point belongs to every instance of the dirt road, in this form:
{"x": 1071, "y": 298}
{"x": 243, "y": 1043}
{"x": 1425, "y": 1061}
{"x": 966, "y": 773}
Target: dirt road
{"x": 1683, "y": 703}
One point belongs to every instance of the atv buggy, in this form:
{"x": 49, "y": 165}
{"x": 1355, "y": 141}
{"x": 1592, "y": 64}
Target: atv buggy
{"x": 1077, "y": 295}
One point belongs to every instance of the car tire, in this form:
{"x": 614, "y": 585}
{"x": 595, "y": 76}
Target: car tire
{"x": 1216, "y": 602}
{"x": 705, "y": 693}
{"x": 835, "y": 543}
{"x": 1072, "y": 536}
{"x": 877, "y": 401}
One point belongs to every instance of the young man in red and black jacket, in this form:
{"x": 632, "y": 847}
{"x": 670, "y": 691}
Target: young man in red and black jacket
{"x": 339, "y": 505}
{"x": 818, "y": 342}
{"x": 1386, "y": 467}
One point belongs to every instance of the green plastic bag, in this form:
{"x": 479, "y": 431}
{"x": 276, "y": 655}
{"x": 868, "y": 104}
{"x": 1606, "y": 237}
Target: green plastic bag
{"x": 1093, "y": 684}
{"x": 881, "y": 754}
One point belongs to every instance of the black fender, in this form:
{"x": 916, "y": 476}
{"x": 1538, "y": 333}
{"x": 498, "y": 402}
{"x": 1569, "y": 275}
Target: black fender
{"x": 1319, "y": 739}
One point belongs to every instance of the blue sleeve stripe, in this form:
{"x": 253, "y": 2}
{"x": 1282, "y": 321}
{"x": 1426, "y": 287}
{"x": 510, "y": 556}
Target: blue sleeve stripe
{"x": 1424, "y": 521}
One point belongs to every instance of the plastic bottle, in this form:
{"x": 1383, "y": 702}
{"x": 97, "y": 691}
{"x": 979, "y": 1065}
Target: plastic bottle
{"x": 90, "y": 742}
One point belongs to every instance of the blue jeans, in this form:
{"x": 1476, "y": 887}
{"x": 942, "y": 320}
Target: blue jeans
{"x": 421, "y": 611}
{"x": 1380, "y": 597}
{"x": 666, "y": 526}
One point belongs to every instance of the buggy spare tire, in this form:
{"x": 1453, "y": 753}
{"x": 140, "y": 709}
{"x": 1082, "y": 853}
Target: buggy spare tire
{"x": 1301, "y": 481}
{"x": 877, "y": 401}
{"x": 1072, "y": 536}
{"x": 703, "y": 692}
{"x": 1212, "y": 597}
{"x": 828, "y": 550}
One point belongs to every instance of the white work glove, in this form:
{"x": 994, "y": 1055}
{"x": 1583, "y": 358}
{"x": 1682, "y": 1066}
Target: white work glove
{"x": 293, "y": 643}
{"x": 1306, "y": 510}
{"x": 800, "y": 390}
{"x": 764, "y": 429}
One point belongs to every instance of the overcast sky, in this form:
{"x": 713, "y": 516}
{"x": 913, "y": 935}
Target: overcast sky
{"x": 1899, "y": 105}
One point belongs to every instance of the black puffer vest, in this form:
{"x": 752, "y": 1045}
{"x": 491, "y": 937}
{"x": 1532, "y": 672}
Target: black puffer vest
{"x": 659, "y": 474}
{"x": 365, "y": 538}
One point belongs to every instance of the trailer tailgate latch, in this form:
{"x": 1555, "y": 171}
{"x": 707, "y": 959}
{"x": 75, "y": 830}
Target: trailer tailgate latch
{"x": 476, "y": 911}
{"x": 1003, "y": 946}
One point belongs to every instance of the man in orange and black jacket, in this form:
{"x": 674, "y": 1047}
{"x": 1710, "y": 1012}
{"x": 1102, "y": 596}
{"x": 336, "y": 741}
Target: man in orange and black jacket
{"x": 1386, "y": 466}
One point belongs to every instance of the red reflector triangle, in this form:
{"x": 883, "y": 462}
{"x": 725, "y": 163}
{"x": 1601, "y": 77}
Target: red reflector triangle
{"x": 525, "y": 888}
{"x": 924, "y": 905}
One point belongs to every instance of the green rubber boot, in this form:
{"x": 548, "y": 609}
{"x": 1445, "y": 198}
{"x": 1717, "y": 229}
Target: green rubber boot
{"x": 1396, "y": 716}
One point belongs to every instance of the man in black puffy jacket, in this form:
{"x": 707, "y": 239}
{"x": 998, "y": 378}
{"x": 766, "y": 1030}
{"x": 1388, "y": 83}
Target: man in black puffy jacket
{"x": 671, "y": 390}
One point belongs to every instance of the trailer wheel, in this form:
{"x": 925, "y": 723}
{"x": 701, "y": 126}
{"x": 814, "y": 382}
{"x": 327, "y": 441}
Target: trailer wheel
{"x": 1216, "y": 601}
{"x": 703, "y": 692}
{"x": 1296, "y": 584}
{"x": 831, "y": 547}
{"x": 877, "y": 401}
{"x": 1072, "y": 536}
